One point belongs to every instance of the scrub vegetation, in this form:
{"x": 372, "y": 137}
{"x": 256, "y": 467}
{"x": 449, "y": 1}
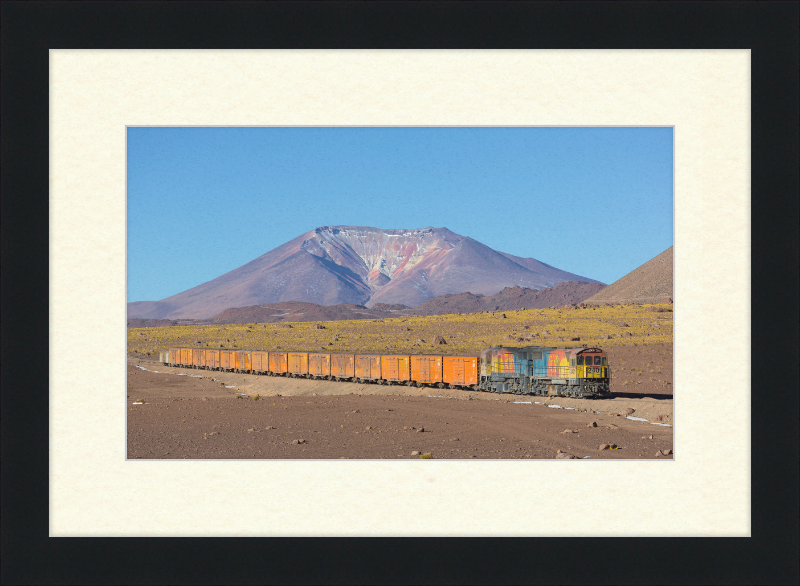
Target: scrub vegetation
{"x": 607, "y": 326}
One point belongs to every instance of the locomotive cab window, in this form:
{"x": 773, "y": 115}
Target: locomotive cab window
{"x": 604, "y": 361}
{"x": 580, "y": 360}
{"x": 597, "y": 361}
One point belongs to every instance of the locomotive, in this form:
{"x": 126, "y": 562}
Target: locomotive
{"x": 535, "y": 370}
{"x": 530, "y": 370}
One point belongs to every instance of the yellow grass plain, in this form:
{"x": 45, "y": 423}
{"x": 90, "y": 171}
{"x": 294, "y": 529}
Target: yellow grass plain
{"x": 468, "y": 333}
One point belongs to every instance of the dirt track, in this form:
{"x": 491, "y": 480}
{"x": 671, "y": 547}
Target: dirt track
{"x": 188, "y": 414}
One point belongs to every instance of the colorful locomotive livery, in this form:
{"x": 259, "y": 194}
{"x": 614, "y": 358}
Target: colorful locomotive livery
{"x": 531, "y": 370}
{"x": 534, "y": 370}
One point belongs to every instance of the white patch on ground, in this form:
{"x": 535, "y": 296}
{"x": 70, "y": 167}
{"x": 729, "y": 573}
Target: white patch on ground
{"x": 636, "y": 418}
{"x": 232, "y": 387}
{"x": 554, "y": 406}
{"x": 664, "y": 424}
{"x": 521, "y": 402}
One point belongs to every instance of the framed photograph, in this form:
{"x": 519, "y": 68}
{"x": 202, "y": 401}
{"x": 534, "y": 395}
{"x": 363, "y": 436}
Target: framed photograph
{"x": 100, "y": 83}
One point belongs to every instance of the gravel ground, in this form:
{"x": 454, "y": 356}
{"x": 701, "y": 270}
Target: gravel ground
{"x": 188, "y": 414}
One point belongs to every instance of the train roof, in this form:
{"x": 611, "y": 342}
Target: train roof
{"x": 579, "y": 350}
{"x": 576, "y": 350}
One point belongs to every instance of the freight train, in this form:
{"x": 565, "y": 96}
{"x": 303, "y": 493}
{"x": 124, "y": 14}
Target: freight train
{"x": 531, "y": 370}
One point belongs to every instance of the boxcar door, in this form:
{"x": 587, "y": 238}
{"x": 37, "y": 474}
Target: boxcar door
{"x": 341, "y": 364}
{"x": 393, "y": 370}
{"x": 425, "y": 369}
{"x": 458, "y": 371}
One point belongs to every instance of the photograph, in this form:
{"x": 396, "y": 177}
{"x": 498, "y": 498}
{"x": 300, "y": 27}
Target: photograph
{"x": 397, "y": 292}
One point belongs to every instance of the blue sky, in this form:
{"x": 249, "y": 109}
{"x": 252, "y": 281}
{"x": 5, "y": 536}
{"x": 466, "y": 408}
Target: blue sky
{"x": 204, "y": 201}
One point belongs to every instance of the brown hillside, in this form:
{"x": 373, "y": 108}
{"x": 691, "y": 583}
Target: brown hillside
{"x": 295, "y": 311}
{"x": 650, "y": 283}
{"x": 137, "y": 322}
{"x": 510, "y": 298}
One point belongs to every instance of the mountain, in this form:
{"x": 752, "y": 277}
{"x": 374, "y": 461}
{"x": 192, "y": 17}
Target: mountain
{"x": 360, "y": 265}
{"x": 650, "y": 283}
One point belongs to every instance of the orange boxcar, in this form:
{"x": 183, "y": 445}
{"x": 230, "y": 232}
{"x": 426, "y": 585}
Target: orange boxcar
{"x": 186, "y": 357}
{"x": 460, "y": 371}
{"x": 259, "y": 361}
{"x": 227, "y": 359}
{"x": 426, "y": 369}
{"x": 198, "y": 358}
{"x": 279, "y": 362}
{"x": 319, "y": 364}
{"x": 174, "y": 356}
{"x": 368, "y": 366}
{"x": 343, "y": 365}
{"x": 243, "y": 361}
{"x": 396, "y": 368}
{"x": 212, "y": 359}
{"x": 298, "y": 363}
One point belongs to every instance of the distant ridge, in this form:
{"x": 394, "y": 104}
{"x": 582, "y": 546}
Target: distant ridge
{"x": 509, "y": 299}
{"x": 650, "y": 283}
{"x": 360, "y": 265}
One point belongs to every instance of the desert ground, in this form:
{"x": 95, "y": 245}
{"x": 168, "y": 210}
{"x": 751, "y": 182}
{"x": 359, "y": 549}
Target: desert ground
{"x": 179, "y": 413}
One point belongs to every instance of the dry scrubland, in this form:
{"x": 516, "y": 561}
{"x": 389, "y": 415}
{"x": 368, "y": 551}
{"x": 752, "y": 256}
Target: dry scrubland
{"x": 194, "y": 416}
{"x": 605, "y": 326}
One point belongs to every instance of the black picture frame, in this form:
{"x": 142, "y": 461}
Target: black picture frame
{"x": 768, "y": 29}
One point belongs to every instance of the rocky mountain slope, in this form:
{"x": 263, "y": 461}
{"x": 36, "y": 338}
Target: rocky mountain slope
{"x": 649, "y": 283}
{"x": 360, "y": 265}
